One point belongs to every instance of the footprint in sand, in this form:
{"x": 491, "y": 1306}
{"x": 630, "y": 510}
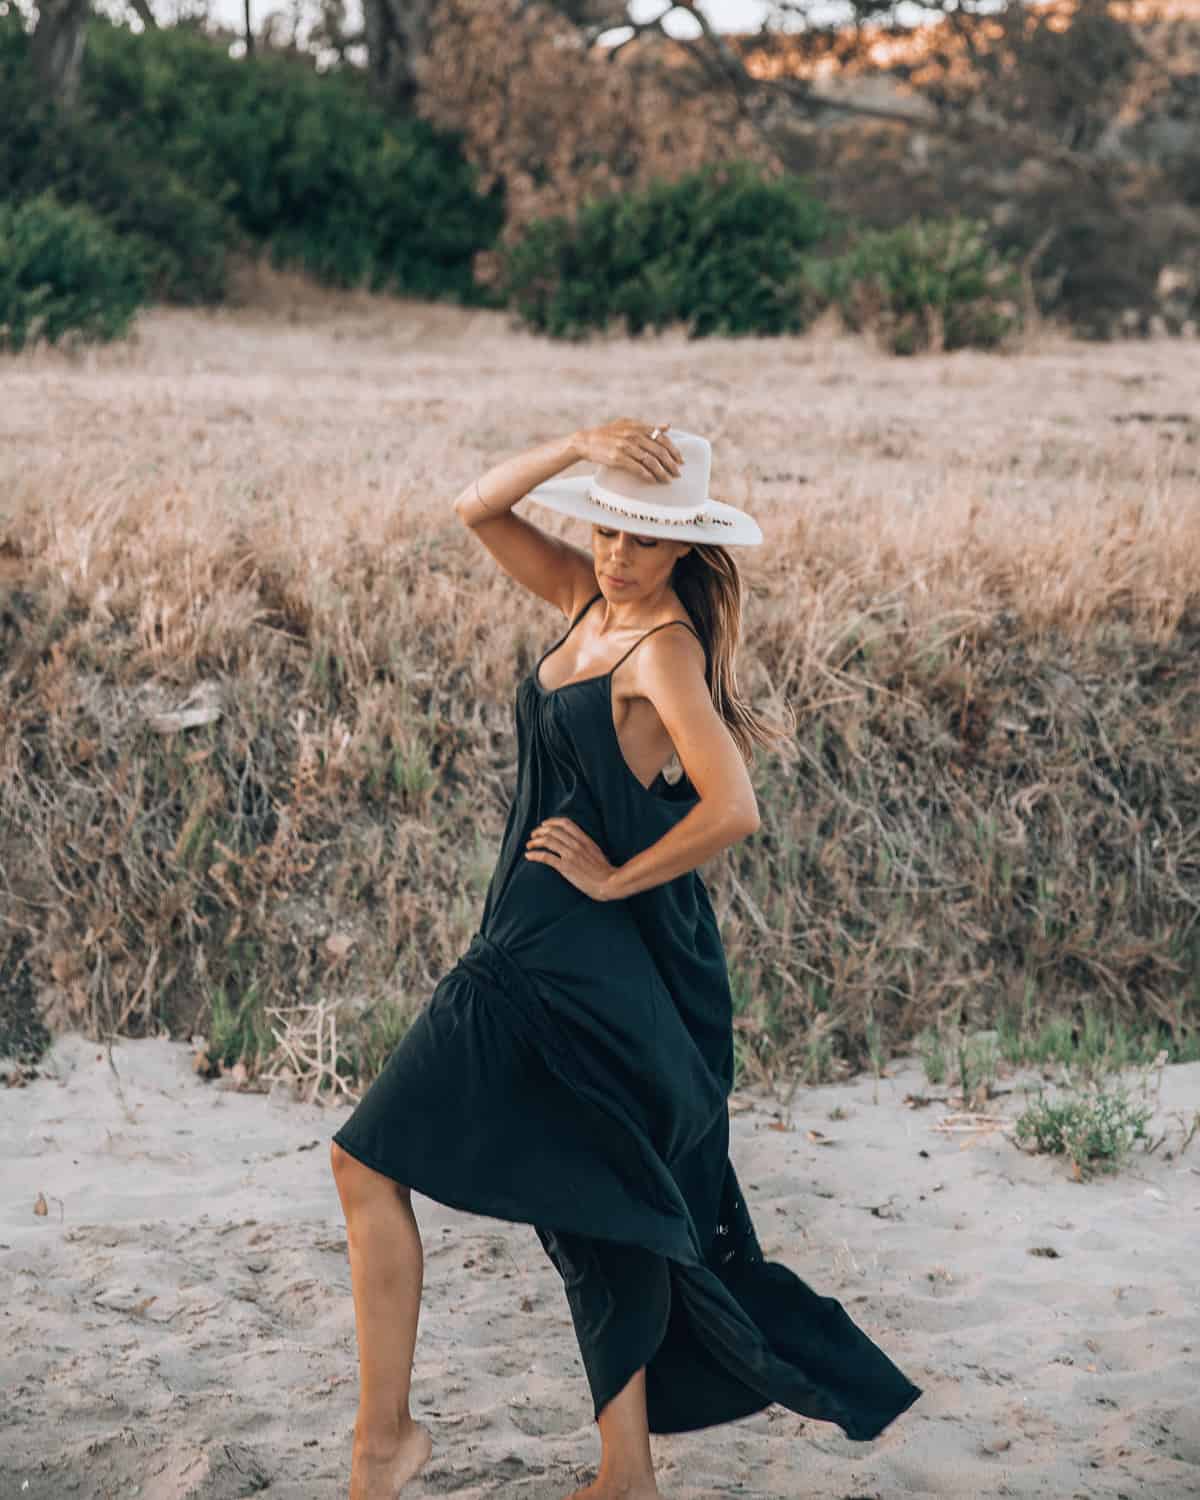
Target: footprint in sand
{"x": 547, "y": 1421}
{"x": 503, "y": 1471}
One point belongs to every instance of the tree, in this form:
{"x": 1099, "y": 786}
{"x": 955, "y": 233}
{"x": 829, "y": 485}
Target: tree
{"x": 397, "y": 35}
{"x": 1017, "y": 113}
{"x": 1017, "y": 72}
{"x": 546, "y": 113}
{"x": 56, "y": 50}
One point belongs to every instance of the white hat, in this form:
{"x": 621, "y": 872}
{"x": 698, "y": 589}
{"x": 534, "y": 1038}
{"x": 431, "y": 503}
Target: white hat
{"x": 680, "y": 508}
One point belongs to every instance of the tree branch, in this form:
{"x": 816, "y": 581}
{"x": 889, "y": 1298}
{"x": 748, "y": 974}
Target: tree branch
{"x": 725, "y": 65}
{"x": 636, "y": 29}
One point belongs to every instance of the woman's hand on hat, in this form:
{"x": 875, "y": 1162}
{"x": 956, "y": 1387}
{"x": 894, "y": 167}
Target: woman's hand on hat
{"x": 639, "y": 448}
{"x": 562, "y": 843}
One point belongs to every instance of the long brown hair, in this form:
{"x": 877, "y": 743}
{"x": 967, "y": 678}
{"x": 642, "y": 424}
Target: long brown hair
{"x": 710, "y": 588}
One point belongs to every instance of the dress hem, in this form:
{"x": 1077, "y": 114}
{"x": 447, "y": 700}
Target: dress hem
{"x": 762, "y": 1368}
{"x": 599, "y": 1405}
{"x": 856, "y": 1431}
{"x": 494, "y": 1209}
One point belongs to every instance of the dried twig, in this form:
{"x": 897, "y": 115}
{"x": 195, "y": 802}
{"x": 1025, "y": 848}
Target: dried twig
{"x": 306, "y": 1050}
{"x": 970, "y": 1123}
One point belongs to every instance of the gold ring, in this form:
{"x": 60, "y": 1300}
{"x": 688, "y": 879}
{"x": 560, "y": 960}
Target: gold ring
{"x": 656, "y": 432}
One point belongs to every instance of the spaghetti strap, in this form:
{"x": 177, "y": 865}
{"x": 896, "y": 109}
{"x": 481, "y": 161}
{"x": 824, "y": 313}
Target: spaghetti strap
{"x": 579, "y": 614}
{"x": 551, "y": 649}
{"x": 663, "y": 626}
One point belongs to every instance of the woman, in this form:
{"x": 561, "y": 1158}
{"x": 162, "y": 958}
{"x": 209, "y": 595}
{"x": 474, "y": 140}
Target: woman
{"x": 571, "y": 1071}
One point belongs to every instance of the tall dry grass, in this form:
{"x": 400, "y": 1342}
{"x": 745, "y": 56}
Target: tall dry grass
{"x": 980, "y": 593}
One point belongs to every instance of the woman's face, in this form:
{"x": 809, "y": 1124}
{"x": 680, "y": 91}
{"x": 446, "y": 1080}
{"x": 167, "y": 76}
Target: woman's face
{"x": 629, "y": 566}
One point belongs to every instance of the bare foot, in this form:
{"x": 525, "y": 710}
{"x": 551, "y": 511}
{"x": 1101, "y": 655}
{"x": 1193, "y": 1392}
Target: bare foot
{"x": 642, "y": 1489}
{"x": 381, "y": 1473}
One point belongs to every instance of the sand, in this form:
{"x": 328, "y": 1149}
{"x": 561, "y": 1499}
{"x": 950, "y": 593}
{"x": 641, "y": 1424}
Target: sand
{"x": 178, "y": 1323}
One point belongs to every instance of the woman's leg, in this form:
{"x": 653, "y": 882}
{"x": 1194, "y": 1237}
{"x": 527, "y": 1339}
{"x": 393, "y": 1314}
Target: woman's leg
{"x": 626, "y": 1468}
{"x": 386, "y": 1270}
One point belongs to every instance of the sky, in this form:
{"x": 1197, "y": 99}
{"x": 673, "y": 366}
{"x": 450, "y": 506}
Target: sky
{"x": 726, "y": 15}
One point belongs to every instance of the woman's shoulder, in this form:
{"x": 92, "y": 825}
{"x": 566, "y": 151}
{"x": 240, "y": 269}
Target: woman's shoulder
{"x": 680, "y": 617}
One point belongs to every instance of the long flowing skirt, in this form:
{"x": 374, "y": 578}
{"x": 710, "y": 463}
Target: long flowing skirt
{"x": 492, "y": 1103}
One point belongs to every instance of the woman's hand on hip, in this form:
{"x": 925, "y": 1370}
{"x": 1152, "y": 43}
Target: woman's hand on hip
{"x": 564, "y": 845}
{"x": 626, "y": 444}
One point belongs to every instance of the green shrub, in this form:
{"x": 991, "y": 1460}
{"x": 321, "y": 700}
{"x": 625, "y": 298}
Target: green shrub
{"x": 180, "y": 235}
{"x": 189, "y": 154}
{"x": 937, "y": 284}
{"x": 177, "y": 234}
{"x": 303, "y": 163}
{"x": 64, "y": 272}
{"x": 721, "y": 250}
{"x": 1094, "y": 1130}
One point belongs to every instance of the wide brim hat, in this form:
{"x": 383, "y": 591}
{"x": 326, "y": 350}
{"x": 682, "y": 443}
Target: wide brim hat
{"x": 680, "y": 508}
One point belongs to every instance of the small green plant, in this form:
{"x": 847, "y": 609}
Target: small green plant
{"x": 978, "y": 1061}
{"x": 1091, "y": 1047}
{"x": 876, "y": 1046}
{"x": 741, "y": 1050}
{"x": 818, "y": 1055}
{"x": 1096, "y": 1130}
{"x": 877, "y": 1053}
{"x": 378, "y": 1033}
{"x": 236, "y": 1027}
{"x": 412, "y": 771}
{"x": 932, "y": 1052}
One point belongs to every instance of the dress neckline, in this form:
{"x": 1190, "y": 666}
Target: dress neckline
{"x": 574, "y": 682}
{"x": 551, "y": 649}
{"x": 594, "y": 676}
{"x": 685, "y": 792}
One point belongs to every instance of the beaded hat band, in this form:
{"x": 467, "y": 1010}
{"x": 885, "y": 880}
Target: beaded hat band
{"x": 702, "y": 518}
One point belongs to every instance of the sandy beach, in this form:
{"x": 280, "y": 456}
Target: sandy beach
{"x": 177, "y": 1322}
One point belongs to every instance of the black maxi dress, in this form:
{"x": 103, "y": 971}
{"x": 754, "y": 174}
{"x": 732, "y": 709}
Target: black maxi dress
{"x": 571, "y": 1072}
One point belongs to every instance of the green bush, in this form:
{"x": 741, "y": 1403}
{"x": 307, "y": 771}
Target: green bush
{"x": 721, "y": 250}
{"x": 303, "y": 163}
{"x": 64, "y": 272}
{"x": 180, "y": 235}
{"x": 937, "y": 284}
{"x": 189, "y": 154}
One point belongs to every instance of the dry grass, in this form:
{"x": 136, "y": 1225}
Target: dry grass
{"x": 980, "y": 593}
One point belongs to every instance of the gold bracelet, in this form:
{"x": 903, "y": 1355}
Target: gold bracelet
{"x": 481, "y": 500}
